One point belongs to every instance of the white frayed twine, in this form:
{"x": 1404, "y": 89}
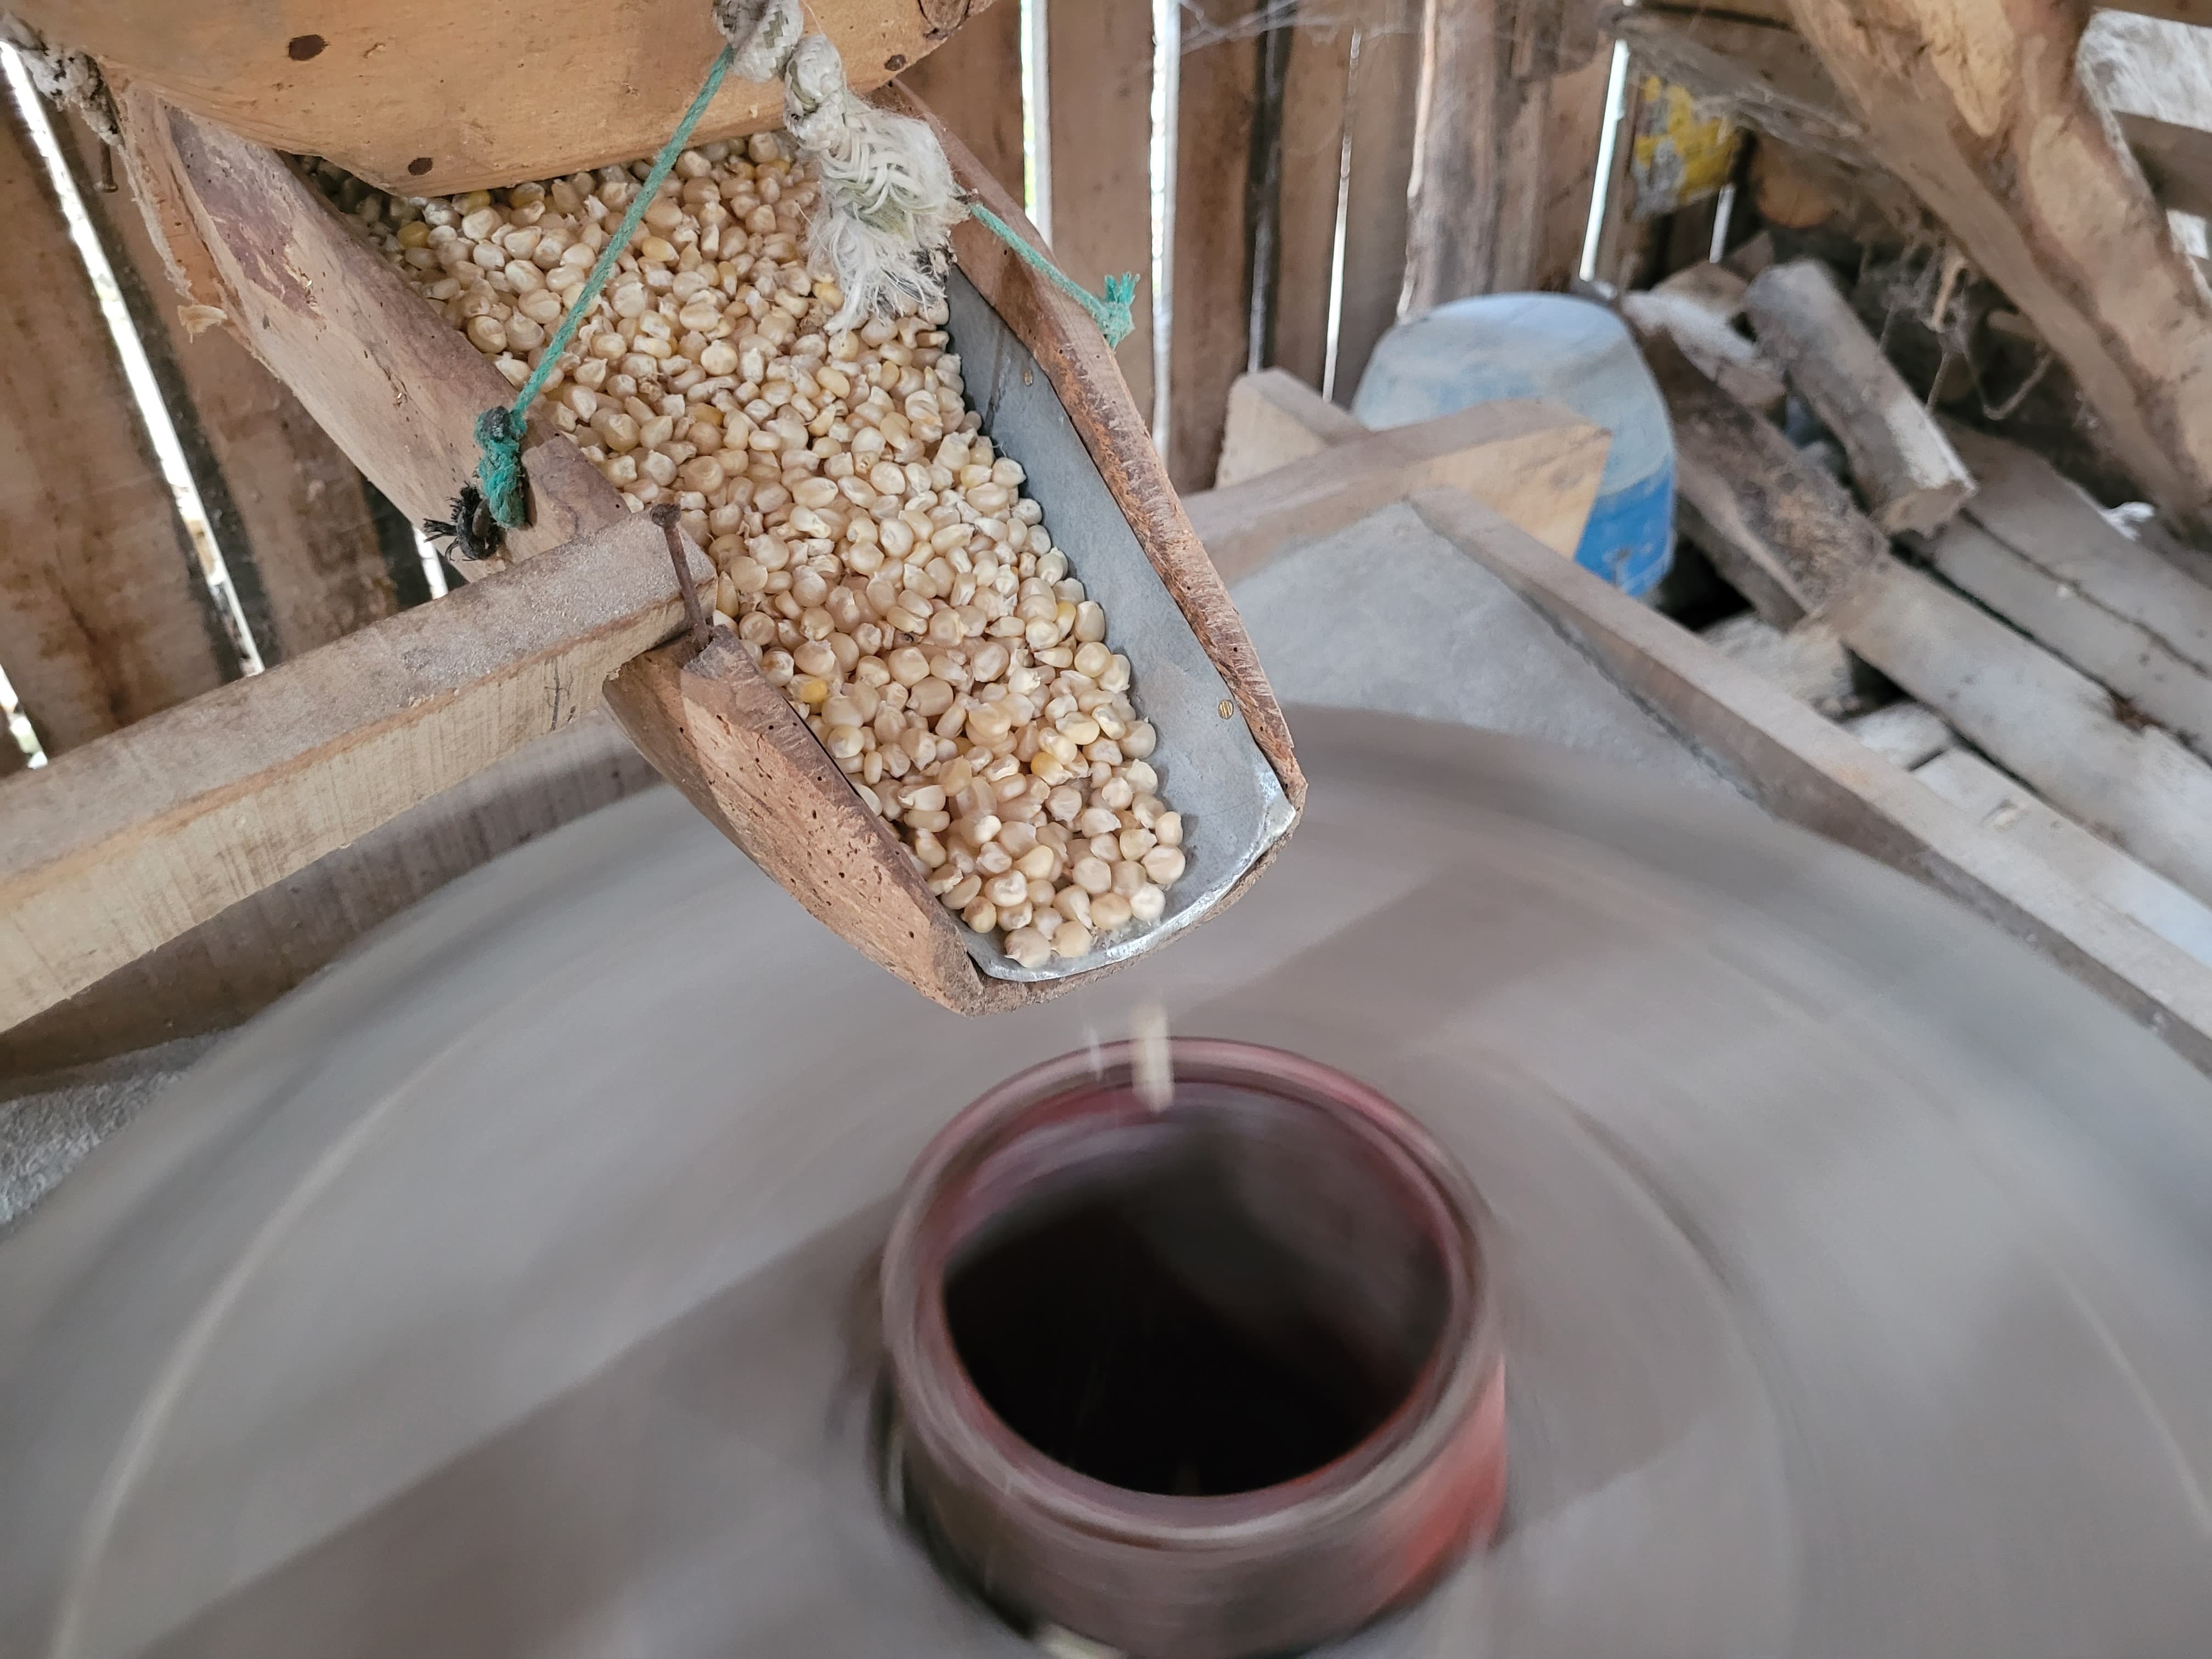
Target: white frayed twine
{"x": 62, "y": 78}
{"x": 889, "y": 199}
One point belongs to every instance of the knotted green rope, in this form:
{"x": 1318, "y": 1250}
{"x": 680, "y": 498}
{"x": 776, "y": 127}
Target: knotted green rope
{"x": 1111, "y": 313}
{"x": 500, "y": 431}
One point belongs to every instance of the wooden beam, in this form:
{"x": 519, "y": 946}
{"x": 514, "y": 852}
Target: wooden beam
{"x": 436, "y": 98}
{"x": 2036, "y": 552}
{"x": 1099, "y": 54}
{"x": 2057, "y": 730}
{"x": 239, "y": 961}
{"x": 124, "y": 844}
{"x": 1804, "y": 769}
{"x": 1380, "y": 115}
{"x": 1538, "y": 464}
{"x": 349, "y": 334}
{"x": 1275, "y": 418}
{"x": 2004, "y": 806}
{"x": 1985, "y": 120}
{"x": 104, "y": 615}
{"x": 974, "y": 81}
{"x": 1907, "y": 472}
{"x": 1782, "y": 533}
{"x": 2176, "y": 159}
{"x": 292, "y": 516}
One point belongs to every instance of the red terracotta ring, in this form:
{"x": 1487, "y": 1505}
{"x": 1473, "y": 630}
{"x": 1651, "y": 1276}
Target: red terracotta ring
{"x": 1318, "y": 1233}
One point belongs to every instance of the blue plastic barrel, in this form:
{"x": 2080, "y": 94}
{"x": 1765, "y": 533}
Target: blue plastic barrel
{"x": 1571, "y": 352}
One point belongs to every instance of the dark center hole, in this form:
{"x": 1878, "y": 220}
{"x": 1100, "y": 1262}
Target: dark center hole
{"x": 1227, "y": 1303}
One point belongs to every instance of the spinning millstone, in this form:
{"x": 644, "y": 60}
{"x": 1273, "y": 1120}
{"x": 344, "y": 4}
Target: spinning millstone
{"x": 504, "y": 1292}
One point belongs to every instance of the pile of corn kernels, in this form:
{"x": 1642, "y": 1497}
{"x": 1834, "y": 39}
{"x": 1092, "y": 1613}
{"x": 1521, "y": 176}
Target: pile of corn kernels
{"x": 876, "y": 555}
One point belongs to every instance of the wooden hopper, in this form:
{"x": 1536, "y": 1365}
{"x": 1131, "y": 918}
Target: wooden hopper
{"x": 400, "y": 391}
{"x": 427, "y": 97}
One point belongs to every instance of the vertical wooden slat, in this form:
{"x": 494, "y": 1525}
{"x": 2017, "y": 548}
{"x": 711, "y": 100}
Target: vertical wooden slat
{"x": 1492, "y": 160}
{"x": 1385, "y": 87}
{"x": 105, "y": 617}
{"x": 1098, "y": 57}
{"x": 1210, "y": 304}
{"x": 1313, "y": 150}
{"x": 973, "y": 83}
{"x": 291, "y": 512}
{"x": 1576, "y": 128}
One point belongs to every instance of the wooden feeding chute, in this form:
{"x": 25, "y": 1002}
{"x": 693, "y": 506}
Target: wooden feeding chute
{"x": 400, "y": 391}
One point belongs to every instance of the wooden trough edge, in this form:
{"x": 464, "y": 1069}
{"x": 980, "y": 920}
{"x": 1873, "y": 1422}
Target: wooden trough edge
{"x": 400, "y": 392}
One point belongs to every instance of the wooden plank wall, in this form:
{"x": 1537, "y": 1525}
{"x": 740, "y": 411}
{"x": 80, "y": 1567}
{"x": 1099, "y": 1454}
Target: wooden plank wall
{"x": 1293, "y": 118}
{"x": 104, "y": 616}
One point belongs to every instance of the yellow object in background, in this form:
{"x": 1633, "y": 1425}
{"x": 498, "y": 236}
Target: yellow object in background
{"x": 1682, "y": 153}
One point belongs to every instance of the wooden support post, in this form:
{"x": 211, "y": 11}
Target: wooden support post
{"x": 104, "y": 615}
{"x": 1539, "y": 464}
{"x": 1803, "y": 768}
{"x": 1980, "y": 113}
{"x": 1907, "y": 471}
{"x": 1099, "y": 54}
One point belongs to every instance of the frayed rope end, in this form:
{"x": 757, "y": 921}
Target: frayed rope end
{"x": 499, "y": 467}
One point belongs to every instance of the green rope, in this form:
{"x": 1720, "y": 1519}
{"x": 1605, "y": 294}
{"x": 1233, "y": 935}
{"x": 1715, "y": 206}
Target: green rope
{"x": 499, "y": 431}
{"x": 1111, "y": 313}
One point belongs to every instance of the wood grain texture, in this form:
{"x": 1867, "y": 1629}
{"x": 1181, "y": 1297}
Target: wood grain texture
{"x": 1779, "y": 529}
{"x": 1804, "y": 769}
{"x": 739, "y": 752}
{"x": 1907, "y": 472}
{"x": 1316, "y": 89}
{"x": 2053, "y": 728}
{"x": 1575, "y": 131}
{"x": 975, "y": 81}
{"x": 1210, "y": 250}
{"x": 2004, "y": 806}
{"x": 1099, "y": 64}
{"x": 1538, "y": 471}
{"x": 1536, "y": 465}
{"x": 1988, "y": 124}
{"x": 1383, "y": 106}
{"x": 424, "y": 97}
{"x": 406, "y": 391}
{"x": 239, "y": 961}
{"x": 2036, "y": 551}
{"x": 291, "y": 512}
{"x": 2176, "y": 159}
{"x": 374, "y": 366}
{"x": 122, "y": 845}
{"x": 1276, "y": 418}
{"x": 1479, "y": 163}
{"x": 105, "y": 617}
